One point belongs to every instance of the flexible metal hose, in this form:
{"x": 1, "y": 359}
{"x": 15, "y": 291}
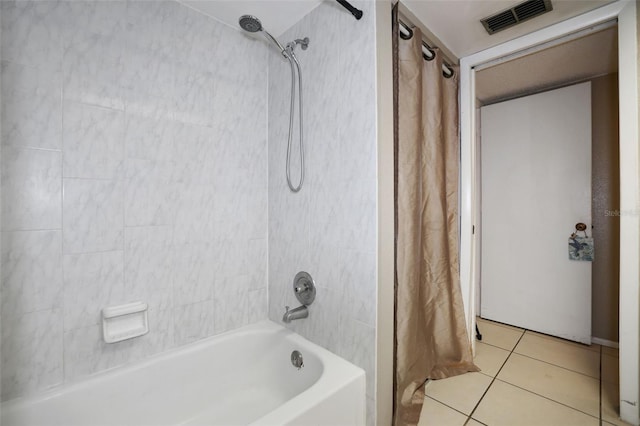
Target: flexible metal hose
{"x": 292, "y": 59}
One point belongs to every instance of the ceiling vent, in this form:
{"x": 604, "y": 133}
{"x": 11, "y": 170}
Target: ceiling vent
{"x": 517, "y": 14}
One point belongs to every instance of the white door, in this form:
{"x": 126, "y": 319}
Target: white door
{"x": 536, "y": 185}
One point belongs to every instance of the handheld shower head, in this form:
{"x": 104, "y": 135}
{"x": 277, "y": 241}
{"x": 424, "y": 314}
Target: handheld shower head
{"x": 251, "y": 24}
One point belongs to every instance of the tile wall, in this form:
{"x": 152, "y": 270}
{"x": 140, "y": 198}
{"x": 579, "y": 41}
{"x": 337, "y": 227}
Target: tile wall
{"x": 329, "y": 227}
{"x": 134, "y": 167}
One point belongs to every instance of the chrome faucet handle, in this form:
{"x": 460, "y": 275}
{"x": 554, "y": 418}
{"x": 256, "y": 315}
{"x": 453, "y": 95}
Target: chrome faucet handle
{"x": 286, "y": 309}
{"x": 304, "y": 288}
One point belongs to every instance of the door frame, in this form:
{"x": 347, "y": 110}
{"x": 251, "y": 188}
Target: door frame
{"x": 625, "y": 13}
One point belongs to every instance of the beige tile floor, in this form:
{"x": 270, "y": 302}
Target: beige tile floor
{"x": 528, "y": 379}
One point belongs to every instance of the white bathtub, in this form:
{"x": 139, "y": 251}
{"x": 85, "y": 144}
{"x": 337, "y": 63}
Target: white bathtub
{"x": 238, "y": 378}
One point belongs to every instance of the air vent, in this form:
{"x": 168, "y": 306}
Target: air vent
{"x": 517, "y": 14}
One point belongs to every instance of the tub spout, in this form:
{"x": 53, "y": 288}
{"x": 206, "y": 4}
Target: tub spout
{"x": 296, "y": 313}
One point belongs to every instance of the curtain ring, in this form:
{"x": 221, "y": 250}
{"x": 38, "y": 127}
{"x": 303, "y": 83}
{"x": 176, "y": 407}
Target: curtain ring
{"x": 409, "y": 30}
{"x": 424, "y": 55}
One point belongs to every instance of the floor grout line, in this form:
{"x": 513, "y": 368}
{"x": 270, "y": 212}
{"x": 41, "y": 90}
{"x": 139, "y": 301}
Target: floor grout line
{"x": 446, "y": 405}
{"x": 496, "y": 376}
{"x": 549, "y": 399}
{"x": 534, "y": 393}
{"x": 489, "y": 344}
{"x": 556, "y": 365}
{"x": 599, "y": 351}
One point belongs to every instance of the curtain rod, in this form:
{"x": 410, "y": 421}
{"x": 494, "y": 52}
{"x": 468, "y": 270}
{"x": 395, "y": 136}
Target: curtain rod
{"x": 354, "y": 11}
{"x": 427, "y": 51}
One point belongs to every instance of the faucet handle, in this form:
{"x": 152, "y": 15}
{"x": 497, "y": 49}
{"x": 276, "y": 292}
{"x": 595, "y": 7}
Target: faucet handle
{"x": 286, "y": 309}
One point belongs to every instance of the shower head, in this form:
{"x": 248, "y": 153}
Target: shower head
{"x": 251, "y": 24}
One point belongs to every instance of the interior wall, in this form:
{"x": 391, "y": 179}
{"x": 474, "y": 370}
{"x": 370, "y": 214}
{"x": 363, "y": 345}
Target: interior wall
{"x": 329, "y": 228}
{"x": 605, "y": 207}
{"x": 134, "y": 168}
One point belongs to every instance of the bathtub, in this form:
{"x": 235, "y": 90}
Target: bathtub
{"x": 244, "y": 377}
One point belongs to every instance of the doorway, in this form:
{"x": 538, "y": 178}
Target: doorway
{"x": 539, "y": 114}
{"x": 625, "y": 12}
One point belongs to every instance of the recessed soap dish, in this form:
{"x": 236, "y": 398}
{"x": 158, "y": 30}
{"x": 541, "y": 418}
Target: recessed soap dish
{"x": 124, "y": 322}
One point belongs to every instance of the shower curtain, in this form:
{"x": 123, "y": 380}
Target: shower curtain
{"x": 431, "y": 336}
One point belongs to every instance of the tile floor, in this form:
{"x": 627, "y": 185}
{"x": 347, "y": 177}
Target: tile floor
{"x": 528, "y": 379}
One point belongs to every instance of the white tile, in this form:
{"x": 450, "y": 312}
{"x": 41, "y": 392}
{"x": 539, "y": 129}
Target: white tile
{"x": 93, "y": 142}
{"x": 193, "y": 322}
{"x": 258, "y": 263}
{"x": 35, "y": 80}
{"x": 85, "y": 352}
{"x": 360, "y": 283}
{"x": 96, "y": 17}
{"x": 148, "y": 257}
{"x": 230, "y": 303}
{"x": 92, "y": 282}
{"x": 151, "y": 139}
{"x": 329, "y": 270}
{"x": 160, "y": 336}
{"x": 31, "y": 112}
{"x": 155, "y": 27}
{"x": 193, "y": 213}
{"x": 192, "y": 273}
{"x": 150, "y": 196}
{"x": 31, "y": 189}
{"x": 91, "y": 63}
{"x": 257, "y": 305}
{"x": 32, "y": 32}
{"x": 31, "y": 353}
{"x": 330, "y": 325}
{"x": 31, "y": 272}
{"x": 93, "y": 215}
{"x": 32, "y": 121}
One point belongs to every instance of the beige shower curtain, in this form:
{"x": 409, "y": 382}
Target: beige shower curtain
{"x": 431, "y": 337}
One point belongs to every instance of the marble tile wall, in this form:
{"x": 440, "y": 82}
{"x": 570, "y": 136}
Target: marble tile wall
{"x": 329, "y": 228}
{"x": 134, "y": 167}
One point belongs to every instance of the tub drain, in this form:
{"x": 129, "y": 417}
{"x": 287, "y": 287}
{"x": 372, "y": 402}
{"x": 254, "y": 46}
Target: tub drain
{"x": 296, "y": 360}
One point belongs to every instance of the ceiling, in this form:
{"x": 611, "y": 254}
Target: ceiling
{"x": 577, "y": 60}
{"x": 276, "y": 16}
{"x": 456, "y": 23}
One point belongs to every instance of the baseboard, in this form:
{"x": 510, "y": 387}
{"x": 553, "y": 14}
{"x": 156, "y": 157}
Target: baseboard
{"x": 605, "y": 342}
